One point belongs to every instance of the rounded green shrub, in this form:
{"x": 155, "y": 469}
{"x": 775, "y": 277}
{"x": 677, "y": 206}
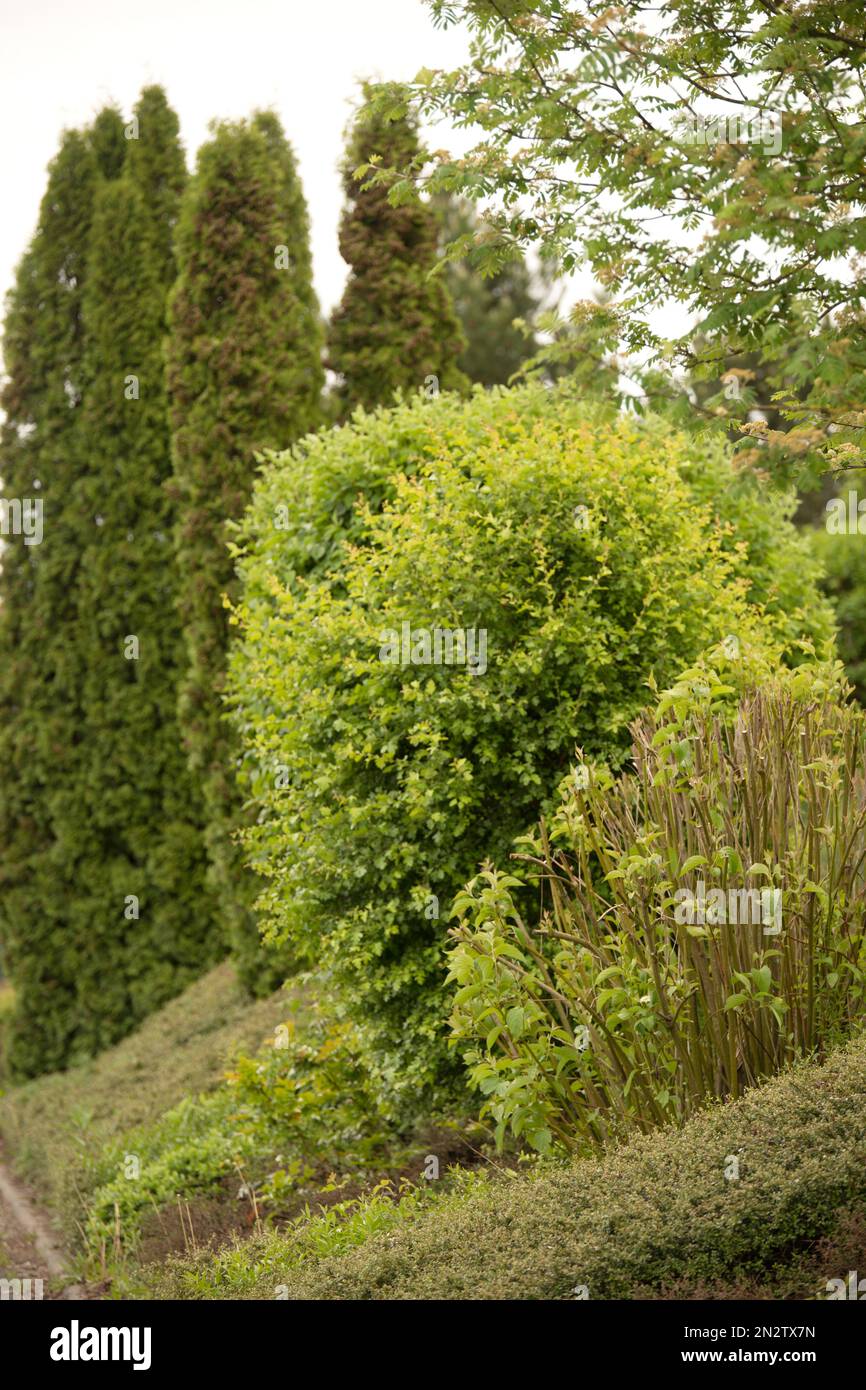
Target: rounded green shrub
{"x": 578, "y": 553}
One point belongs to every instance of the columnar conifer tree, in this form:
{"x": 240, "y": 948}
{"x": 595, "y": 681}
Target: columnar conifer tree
{"x": 158, "y": 168}
{"x": 245, "y": 374}
{"x": 395, "y": 327}
{"x": 40, "y": 723}
{"x": 105, "y": 913}
{"x": 294, "y": 210}
{"x": 141, "y": 905}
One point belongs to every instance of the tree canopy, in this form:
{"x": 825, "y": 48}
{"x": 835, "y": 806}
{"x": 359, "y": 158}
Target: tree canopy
{"x": 706, "y": 155}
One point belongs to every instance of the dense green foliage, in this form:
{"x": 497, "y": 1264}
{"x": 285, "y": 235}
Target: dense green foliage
{"x": 39, "y": 699}
{"x": 595, "y": 135}
{"x": 291, "y": 1121}
{"x": 60, "y": 1126}
{"x": 657, "y": 1215}
{"x": 842, "y": 553}
{"x": 127, "y": 921}
{"x": 309, "y": 694}
{"x": 244, "y": 373}
{"x": 262, "y": 1105}
{"x": 657, "y": 1212}
{"x": 156, "y": 163}
{"x": 591, "y": 551}
{"x": 395, "y": 327}
{"x": 701, "y": 932}
{"x": 141, "y": 921}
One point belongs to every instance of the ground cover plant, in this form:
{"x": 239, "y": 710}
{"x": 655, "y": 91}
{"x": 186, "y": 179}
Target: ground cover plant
{"x": 57, "y": 1125}
{"x": 221, "y": 1116}
{"x": 660, "y": 1212}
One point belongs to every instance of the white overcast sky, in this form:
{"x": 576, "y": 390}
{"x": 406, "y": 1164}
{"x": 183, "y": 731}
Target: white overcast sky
{"x": 61, "y": 60}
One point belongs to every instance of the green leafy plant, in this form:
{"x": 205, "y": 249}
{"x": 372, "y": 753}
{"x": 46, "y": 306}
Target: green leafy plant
{"x": 312, "y": 1094}
{"x": 654, "y": 1217}
{"x": 611, "y": 136}
{"x": 843, "y": 558}
{"x": 639, "y": 996}
{"x": 191, "y": 1150}
{"x": 288, "y": 1122}
{"x": 591, "y": 550}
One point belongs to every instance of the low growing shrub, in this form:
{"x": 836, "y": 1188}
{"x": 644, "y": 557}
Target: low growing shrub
{"x": 286, "y": 1119}
{"x": 703, "y": 927}
{"x": 660, "y": 1211}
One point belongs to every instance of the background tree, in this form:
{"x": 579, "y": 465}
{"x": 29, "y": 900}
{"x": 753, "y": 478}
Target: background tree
{"x": 245, "y": 374}
{"x": 395, "y": 326}
{"x": 140, "y": 920}
{"x": 39, "y": 698}
{"x": 294, "y": 210}
{"x": 596, "y": 139}
{"x": 487, "y": 306}
{"x": 156, "y": 163}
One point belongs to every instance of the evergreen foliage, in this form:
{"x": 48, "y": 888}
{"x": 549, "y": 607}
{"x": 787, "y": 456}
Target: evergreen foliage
{"x": 130, "y": 819}
{"x": 395, "y": 327}
{"x": 40, "y": 724}
{"x": 245, "y": 374}
{"x": 106, "y": 915}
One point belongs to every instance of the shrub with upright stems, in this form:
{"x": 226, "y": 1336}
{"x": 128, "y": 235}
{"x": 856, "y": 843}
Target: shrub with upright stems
{"x": 704, "y": 921}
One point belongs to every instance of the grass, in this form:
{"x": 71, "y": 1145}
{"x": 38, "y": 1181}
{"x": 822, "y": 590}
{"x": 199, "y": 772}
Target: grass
{"x": 256, "y": 1268}
{"x": 7, "y": 1004}
{"x": 657, "y": 1214}
{"x": 54, "y": 1127}
{"x": 7, "y": 997}
{"x": 189, "y": 1130}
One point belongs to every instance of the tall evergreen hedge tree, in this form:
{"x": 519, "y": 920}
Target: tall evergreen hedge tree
{"x": 158, "y": 169}
{"x": 141, "y": 906}
{"x": 245, "y": 374}
{"x": 40, "y": 715}
{"x": 105, "y": 912}
{"x": 395, "y": 327}
{"x": 297, "y": 218}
